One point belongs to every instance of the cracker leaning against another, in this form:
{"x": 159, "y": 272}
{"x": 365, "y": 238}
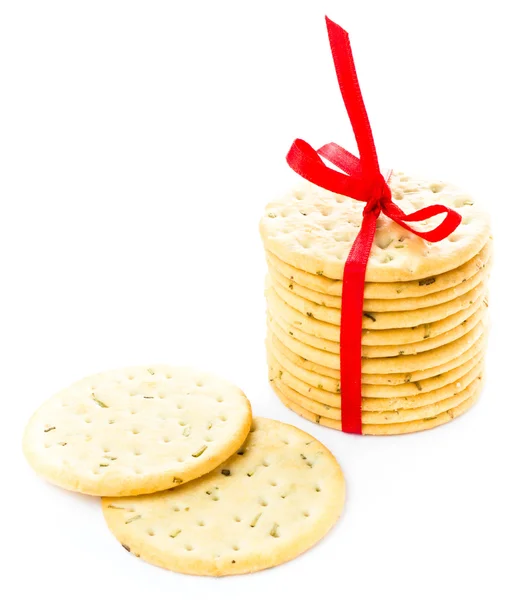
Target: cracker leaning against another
{"x": 136, "y": 430}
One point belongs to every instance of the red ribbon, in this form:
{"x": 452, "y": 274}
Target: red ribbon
{"x": 361, "y": 179}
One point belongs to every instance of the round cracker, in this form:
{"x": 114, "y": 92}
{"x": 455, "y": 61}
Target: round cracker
{"x": 383, "y": 320}
{"x": 313, "y": 230}
{"x": 391, "y": 379}
{"x": 389, "y": 365}
{"x": 388, "y": 291}
{"x": 404, "y": 391}
{"x": 328, "y": 401}
{"x": 386, "y": 337}
{"x": 272, "y": 500}
{"x": 136, "y": 430}
{"x": 378, "y": 305}
{"x": 377, "y": 411}
{"x": 384, "y": 351}
{"x": 390, "y": 428}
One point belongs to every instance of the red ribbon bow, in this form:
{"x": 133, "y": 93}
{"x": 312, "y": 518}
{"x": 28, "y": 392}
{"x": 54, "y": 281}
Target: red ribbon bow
{"x": 361, "y": 179}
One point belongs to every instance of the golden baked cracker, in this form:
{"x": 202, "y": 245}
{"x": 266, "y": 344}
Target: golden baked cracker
{"x": 389, "y": 291}
{"x": 386, "y": 337}
{"x": 329, "y": 400}
{"x": 390, "y": 379}
{"x": 383, "y": 320}
{"x": 384, "y": 351}
{"x": 136, "y": 430}
{"x": 272, "y": 500}
{"x": 377, "y": 410}
{"x": 378, "y": 305}
{"x": 406, "y": 391}
{"x": 384, "y": 366}
{"x": 313, "y": 230}
{"x": 390, "y": 428}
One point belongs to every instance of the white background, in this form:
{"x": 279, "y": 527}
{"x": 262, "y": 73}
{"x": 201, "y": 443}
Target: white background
{"x": 139, "y": 142}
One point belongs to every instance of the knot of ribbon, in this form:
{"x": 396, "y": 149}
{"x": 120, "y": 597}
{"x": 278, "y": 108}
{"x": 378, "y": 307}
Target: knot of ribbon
{"x": 361, "y": 179}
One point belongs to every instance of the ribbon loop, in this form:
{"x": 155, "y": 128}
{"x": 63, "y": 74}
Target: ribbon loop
{"x": 361, "y": 179}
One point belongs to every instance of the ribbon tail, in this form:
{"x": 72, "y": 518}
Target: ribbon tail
{"x": 351, "y": 325}
{"x": 450, "y": 222}
{"x": 351, "y": 93}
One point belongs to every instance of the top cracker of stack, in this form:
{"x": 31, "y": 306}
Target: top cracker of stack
{"x": 424, "y": 315}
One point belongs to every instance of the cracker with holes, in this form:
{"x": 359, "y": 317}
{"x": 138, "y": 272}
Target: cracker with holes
{"x": 424, "y": 318}
{"x": 136, "y": 430}
{"x": 278, "y": 495}
{"x": 380, "y": 304}
{"x": 408, "y": 290}
{"x": 313, "y": 230}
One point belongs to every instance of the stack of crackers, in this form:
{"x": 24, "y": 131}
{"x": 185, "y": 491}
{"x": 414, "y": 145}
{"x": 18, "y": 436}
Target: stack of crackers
{"x": 189, "y": 480}
{"x": 424, "y": 315}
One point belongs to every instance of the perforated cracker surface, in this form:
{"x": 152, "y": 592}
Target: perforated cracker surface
{"x": 275, "y": 498}
{"x": 136, "y": 430}
{"x": 389, "y": 291}
{"x": 313, "y": 230}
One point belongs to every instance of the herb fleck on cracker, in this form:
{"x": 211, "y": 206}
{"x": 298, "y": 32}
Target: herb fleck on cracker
{"x": 427, "y": 281}
{"x": 255, "y": 520}
{"x": 369, "y": 316}
{"x": 99, "y": 402}
{"x": 135, "y": 518}
{"x": 199, "y": 452}
{"x": 274, "y": 531}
